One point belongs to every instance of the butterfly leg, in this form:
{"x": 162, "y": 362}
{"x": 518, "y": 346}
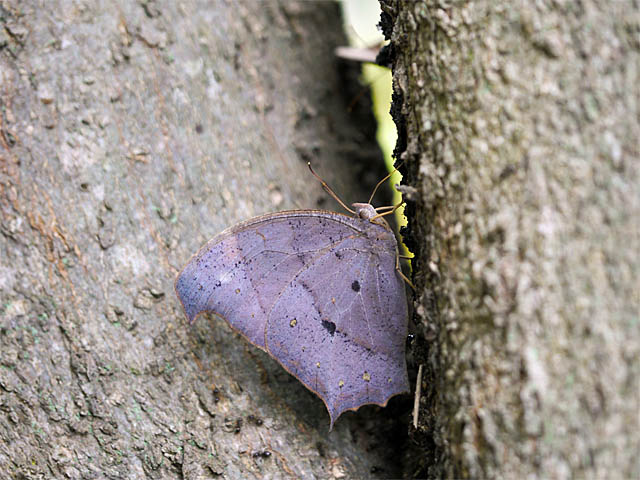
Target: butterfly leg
{"x": 389, "y": 212}
{"x": 416, "y": 398}
{"x": 402, "y": 274}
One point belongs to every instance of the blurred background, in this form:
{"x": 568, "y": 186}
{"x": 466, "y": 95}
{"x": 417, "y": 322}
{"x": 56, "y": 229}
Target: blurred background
{"x": 361, "y": 18}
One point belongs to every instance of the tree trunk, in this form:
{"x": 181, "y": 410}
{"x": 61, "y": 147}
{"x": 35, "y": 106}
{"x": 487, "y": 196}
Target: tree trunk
{"x": 132, "y": 132}
{"x": 519, "y": 126}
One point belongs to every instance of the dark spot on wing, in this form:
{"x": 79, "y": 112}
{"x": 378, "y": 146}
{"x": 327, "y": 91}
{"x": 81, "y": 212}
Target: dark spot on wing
{"x": 339, "y": 255}
{"x": 355, "y": 286}
{"x": 329, "y": 326}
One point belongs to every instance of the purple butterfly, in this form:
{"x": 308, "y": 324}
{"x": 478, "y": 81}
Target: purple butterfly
{"x": 321, "y": 292}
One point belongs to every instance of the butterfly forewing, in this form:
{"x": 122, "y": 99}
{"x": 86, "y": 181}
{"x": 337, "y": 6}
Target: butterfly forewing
{"x": 240, "y": 272}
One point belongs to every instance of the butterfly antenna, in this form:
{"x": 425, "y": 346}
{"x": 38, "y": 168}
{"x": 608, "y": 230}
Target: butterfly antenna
{"x": 384, "y": 180}
{"x": 327, "y": 189}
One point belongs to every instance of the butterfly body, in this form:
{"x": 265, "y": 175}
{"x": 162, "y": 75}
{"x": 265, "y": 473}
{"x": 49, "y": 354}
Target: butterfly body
{"x": 317, "y": 290}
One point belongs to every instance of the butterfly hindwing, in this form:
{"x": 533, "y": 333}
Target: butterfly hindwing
{"x": 340, "y": 325}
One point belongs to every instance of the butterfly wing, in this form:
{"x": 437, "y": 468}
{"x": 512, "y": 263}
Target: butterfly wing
{"x": 319, "y": 292}
{"x": 240, "y": 273}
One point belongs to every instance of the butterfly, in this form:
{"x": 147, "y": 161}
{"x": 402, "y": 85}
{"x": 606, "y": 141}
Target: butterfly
{"x": 321, "y": 292}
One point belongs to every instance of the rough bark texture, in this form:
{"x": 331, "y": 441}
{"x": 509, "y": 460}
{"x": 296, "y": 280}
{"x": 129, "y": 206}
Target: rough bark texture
{"x": 519, "y": 126}
{"x": 130, "y": 133}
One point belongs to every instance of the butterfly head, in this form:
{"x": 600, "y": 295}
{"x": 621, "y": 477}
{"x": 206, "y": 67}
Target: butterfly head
{"x": 364, "y": 210}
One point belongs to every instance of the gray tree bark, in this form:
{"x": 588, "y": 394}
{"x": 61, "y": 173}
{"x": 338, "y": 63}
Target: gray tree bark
{"x": 132, "y": 132}
{"x": 519, "y": 126}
